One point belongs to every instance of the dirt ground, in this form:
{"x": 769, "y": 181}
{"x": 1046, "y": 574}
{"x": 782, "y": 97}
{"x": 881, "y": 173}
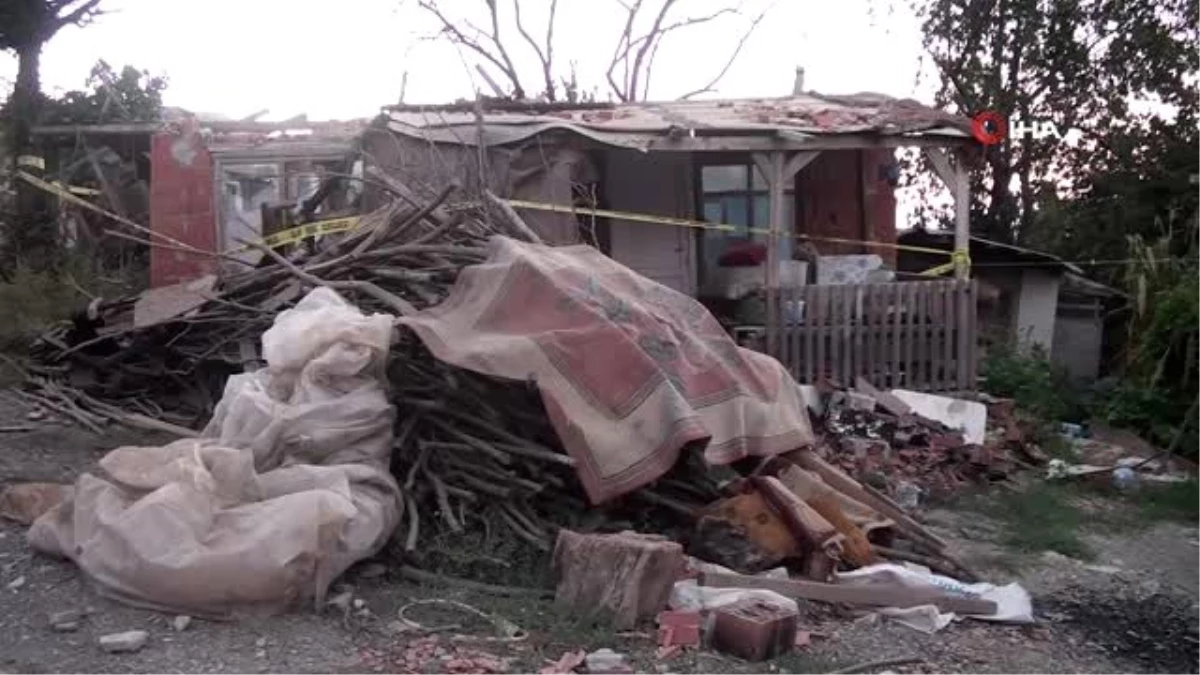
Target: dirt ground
{"x": 1132, "y": 609}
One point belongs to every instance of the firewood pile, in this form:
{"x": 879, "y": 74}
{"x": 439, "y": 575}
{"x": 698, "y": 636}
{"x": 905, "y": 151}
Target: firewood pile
{"x": 470, "y": 452}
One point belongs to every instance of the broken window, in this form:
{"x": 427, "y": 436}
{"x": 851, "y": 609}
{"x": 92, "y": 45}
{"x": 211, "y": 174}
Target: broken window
{"x": 737, "y": 194}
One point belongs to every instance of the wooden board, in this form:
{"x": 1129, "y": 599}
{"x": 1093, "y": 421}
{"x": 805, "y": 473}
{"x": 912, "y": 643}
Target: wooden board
{"x": 874, "y": 596}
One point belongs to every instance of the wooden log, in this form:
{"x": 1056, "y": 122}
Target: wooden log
{"x": 627, "y": 576}
{"x": 872, "y": 596}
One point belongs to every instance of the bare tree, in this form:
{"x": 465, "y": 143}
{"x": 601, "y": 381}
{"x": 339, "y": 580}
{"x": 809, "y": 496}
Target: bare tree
{"x": 645, "y": 26}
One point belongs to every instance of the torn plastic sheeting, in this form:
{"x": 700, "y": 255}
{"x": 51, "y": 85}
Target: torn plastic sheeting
{"x": 1013, "y": 604}
{"x": 288, "y": 488}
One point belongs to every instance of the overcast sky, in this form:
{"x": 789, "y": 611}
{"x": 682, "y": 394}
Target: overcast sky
{"x": 342, "y": 59}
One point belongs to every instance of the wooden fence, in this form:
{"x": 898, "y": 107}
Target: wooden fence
{"x": 919, "y": 335}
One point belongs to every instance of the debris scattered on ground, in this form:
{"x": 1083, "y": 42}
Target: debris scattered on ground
{"x": 606, "y": 660}
{"x": 567, "y": 663}
{"x": 16, "y": 583}
{"x": 627, "y": 576}
{"x": 66, "y": 621}
{"x": 487, "y": 415}
{"x": 129, "y": 641}
{"x": 25, "y": 502}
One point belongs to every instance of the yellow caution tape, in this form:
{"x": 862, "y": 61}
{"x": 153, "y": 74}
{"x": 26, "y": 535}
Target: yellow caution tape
{"x": 59, "y": 191}
{"x": 288, "y": 236}
{"x": 958, "y": 257}
{"x": 703, "y": 225}
{"x": 301, "y": 232}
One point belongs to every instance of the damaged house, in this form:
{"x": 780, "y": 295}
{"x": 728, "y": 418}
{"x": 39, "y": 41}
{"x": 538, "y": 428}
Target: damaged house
{"x": 778, "y": 214}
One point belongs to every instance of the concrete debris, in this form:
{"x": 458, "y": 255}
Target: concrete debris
{"x": 181, "y": 623}
{"x": 129, "y": 641}
{"x": 607, "y": 661}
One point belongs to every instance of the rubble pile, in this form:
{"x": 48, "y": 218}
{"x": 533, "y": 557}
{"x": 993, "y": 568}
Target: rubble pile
{"x": 471, "y": 452}
{"x": 507, "y": 425}
{"x": 877, "y": 438}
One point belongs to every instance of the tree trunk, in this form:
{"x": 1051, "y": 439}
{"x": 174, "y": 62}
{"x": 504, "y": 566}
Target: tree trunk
{"x": 626, "y": 577}
{"x": 26, "y": 108}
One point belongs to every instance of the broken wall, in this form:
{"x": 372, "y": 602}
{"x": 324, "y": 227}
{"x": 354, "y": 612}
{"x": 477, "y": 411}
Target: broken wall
{"x": 543, "y": 169}
{"x": 182, "y": 205}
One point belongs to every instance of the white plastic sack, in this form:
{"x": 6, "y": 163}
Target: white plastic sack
{"x": 1013, "y": 604}
{"x": 288, "y": 488}
{"x": 690, "y": 595}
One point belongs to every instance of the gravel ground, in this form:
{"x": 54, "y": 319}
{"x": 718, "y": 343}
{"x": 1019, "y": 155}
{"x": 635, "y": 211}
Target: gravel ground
{"x": 1134, "y": 610}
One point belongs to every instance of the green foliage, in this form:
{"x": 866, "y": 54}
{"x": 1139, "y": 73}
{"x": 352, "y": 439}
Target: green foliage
{"x": 1039, "y": 387}
{"x": 129, "y": 96}
{"x": 1157, "y": 393}
{"x": 32, "y": 300}
{"x": 1174, "y": 501}
{"x": 1045, "y": 517}
{"x": 1090, "y": 67}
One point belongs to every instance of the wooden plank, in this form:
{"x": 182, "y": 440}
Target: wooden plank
{"x": 908, "y": 296}
{"x": 915, "y": 379}
{"x": 964, "y": 332}
{"x": 898, "y": 336}
{"x": 936, "y": 320}
{"x": 871, "y": 596}
{"x": 973, "y": 340}
{"x": 950, "y": 361}
{"x": 845, "y": 373}
{"x": 831, "y": 311}
{"x": 811, "y": 312}
{"x": 798, "y": 332}
{"x": 870, "y": 297}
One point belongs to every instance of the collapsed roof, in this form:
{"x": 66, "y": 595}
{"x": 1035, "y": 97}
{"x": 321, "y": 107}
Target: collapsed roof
{"x": 669, "y": 125}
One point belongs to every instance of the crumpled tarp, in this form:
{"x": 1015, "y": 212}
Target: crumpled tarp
{"x": 630, "y": 371}
{"x": 287, "y": 488}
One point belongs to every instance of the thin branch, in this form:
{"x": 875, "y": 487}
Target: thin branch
{"x": 458, "y": 37}
{"x": 654, "y": 35}
{"x": 78, "y": 15}
{"x": 519, "y": 91}
{"x": 617, "y": 57}
{"x": 545, "y": 57}
{"x": 732, "y": 57}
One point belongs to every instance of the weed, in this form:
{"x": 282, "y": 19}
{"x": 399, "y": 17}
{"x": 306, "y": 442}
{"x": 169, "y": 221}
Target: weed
{"x": 1044, "y": 517}
{"x": 1173, "y": 501}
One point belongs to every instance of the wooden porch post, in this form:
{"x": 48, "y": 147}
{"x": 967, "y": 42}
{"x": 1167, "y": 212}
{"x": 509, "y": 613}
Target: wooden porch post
{"x": 777, "y": 168}
{"x": 957, "y": 180}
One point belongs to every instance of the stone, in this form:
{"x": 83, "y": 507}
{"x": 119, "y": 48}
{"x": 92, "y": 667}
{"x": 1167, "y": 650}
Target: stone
{"x": 66, "y": 621}
{"x": 260, "y": 642}
{"x": 129, "y": 641}
{"x": 16, "y": 583}
{"x": 606, "y": 661}
{"x": 36, "y": 414}
{"x": 181, "y": 622}
{"x": 359, "y": 603}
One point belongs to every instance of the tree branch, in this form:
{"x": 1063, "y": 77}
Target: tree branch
{"x": 732, "y": 57}
{"x": 618, "y": 56}
{"x": 546, "y": 57}
{"x": 652, "y": 37}
{"x": 458, "y": 37}
{"x": 80, "y": 14}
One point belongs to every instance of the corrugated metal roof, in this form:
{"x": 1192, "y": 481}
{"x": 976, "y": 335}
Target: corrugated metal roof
{"x": 632, "y": 124}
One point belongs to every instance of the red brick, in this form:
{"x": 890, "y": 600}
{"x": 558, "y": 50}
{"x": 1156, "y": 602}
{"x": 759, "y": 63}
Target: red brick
{"x": 754, "y": 630}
